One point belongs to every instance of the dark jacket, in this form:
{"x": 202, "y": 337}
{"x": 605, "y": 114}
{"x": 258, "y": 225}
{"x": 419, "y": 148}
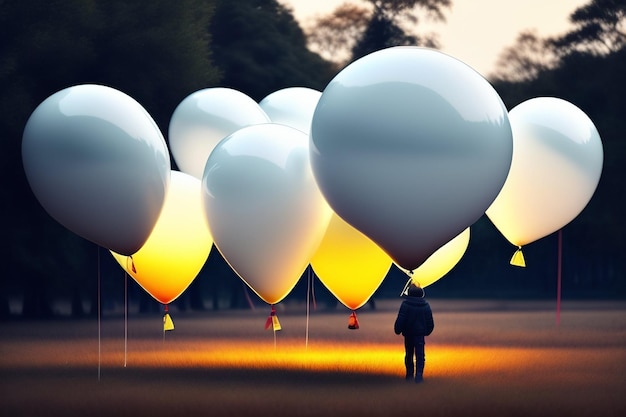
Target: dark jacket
{"x": 415, "y": 318}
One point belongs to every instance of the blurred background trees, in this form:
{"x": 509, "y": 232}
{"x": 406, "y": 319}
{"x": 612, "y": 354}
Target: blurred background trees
{"x": 260, "y": 48}
{"x": 160, "y": 51}
{"x": 583, "y": 66}
{"x": 157, "y": 52}
{"x": 354, "y": 30}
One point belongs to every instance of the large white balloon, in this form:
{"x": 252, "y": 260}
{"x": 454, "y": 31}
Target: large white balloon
{"x": 293, "y": 106}
{"x": 557, "y": 162}
{"x": 265, "y": 211}
{"x": 410, "y": 146}
{"x": 204, "y": 118}
{"x": 98, "y": 164}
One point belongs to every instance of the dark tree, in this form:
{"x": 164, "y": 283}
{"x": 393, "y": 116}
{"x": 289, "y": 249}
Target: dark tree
{"x": 380, "y": 33}
{"x": 587, "y": 70}
{"x": 354, "y": 30}
{"x": 385, "y": 27}
{"x": 599, "y": 28}
{"x": 260, "y": 48}
{"x": 334, "y": 35}
{"x": 529, "y": 56}
{"x": 158, "y": 52}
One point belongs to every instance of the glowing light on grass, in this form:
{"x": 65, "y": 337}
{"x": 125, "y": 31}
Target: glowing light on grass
{"x": 442, "y": 361}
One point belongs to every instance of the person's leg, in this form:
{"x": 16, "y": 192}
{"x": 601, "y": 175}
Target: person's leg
{"x": 409, "y": 351}
{"x": 420, "y": 359}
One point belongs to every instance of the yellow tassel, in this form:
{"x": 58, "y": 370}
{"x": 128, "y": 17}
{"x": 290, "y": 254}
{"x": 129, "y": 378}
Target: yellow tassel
{"x": 272, "y": 320}
{"x": 275, "y": 323}
{"x": 168, "y": 324}
{"x": 518, "y": 258}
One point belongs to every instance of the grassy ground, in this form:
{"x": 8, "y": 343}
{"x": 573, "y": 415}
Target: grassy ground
{"x": 489, "y": 358}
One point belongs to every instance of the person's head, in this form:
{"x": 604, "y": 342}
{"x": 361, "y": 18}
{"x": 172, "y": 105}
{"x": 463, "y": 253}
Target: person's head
{"x": 415, "y": 291}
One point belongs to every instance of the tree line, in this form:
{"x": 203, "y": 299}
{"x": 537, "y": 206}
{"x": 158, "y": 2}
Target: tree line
{"x": 159, "y": 52}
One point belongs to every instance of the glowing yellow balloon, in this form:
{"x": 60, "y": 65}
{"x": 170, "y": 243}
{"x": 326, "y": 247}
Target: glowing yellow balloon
{"x": 442, "y": 261}
{"x": 349, "y": 264}
{"x": 178, "y": 246}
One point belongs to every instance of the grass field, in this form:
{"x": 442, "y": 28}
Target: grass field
{"x": 485, "y": 358}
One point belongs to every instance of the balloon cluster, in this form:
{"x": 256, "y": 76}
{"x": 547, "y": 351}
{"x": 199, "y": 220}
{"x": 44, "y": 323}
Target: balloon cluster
{"x": 391, "y": 164}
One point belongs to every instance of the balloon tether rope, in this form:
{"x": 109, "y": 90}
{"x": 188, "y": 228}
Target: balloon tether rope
{"x": 408, "y": 284}
{"x": 99, "y": 318}
{"x": 165, "y": 312}
{"x": 308, "y": 301}
{"x": 558, "y": 277}
{"x": 247, "y": 295}
{"x": 125, "y": 318}
{"x": 273, "y": 329}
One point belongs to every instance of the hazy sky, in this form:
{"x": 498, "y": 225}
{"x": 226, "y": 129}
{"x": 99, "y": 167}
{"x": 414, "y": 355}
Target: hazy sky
{"x": 476, "y": 31}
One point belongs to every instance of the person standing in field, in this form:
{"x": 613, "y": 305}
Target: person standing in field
{"x": 414, "y": 321}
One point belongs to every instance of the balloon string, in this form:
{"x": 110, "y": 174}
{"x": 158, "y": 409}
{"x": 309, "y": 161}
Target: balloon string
{"x": 407, "y": 285}
{"x": 99, "y": 317}
{"x": 247, "y": 295}
{"x": 313, "y": 289}
{"x": 558, "y": 277}
{"x": 165, "y": 310}
{"x": 308, "y": 294}
{"x": 273, "y": 313}
{"x": 125, "y": 318}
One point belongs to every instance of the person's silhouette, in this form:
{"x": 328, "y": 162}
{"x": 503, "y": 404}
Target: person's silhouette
{"x": 414, "y": 321}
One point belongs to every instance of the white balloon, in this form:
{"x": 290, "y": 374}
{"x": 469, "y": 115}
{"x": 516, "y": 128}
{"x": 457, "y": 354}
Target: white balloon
{"x": 265, "y": 211}
{"x": 410, "y": 146}
{"x": 204, "y": 118}
{"x": 98, "y": 164}
{"x": 556, "y": 167}
{"x": 292, "y": 106}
